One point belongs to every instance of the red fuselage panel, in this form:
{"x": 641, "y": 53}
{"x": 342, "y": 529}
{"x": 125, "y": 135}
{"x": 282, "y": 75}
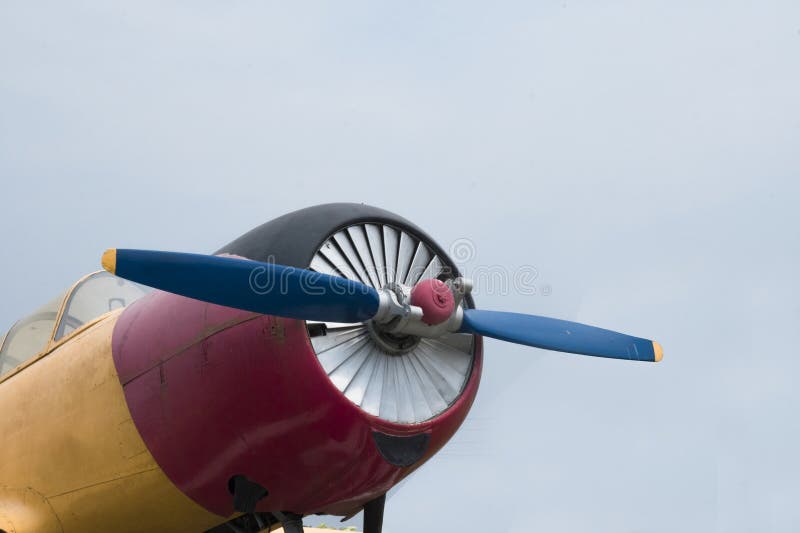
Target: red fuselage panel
{"x": 217, "y": 392}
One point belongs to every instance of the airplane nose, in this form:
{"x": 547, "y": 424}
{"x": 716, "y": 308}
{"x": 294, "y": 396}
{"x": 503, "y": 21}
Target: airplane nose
{"x": 323, "y": 418}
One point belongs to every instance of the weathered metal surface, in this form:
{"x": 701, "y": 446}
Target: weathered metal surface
{"x": 216, "y": 392}
{"x": 71, "y": 458}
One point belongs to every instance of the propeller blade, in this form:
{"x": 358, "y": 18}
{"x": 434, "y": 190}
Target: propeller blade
{"x": 250, "y": 285}
{"x": 559, "y": 335}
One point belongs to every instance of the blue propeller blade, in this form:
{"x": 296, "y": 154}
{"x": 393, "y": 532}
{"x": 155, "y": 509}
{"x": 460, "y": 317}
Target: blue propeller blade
{"x": 559, "y": 335}
{"x": 250, "y": 285}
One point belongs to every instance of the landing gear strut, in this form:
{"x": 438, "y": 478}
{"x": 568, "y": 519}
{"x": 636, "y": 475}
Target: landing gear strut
{"x": 373, "y": 515}
{"x": 292, "y": 523}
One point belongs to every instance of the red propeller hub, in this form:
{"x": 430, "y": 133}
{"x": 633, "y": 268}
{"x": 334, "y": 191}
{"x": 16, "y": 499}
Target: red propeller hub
{"x": 435, "y": 299}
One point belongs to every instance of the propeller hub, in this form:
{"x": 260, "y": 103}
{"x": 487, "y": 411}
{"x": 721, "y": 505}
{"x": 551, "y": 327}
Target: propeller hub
{"x": 435, "y": 299}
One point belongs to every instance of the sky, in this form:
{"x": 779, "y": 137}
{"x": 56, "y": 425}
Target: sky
{"x": 642, "y": 157}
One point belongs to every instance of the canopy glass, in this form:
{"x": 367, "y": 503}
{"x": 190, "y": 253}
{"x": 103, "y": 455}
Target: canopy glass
{"x": 90, "y": 298}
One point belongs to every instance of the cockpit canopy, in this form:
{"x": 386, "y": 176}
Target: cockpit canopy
{"x": 93, "y": 296}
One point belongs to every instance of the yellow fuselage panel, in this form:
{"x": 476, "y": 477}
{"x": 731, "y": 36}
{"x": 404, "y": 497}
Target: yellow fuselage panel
{"x": 71, "y": 451}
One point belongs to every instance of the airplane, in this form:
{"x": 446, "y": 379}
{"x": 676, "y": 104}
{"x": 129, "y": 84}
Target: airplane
{"x": 305, "y": 368}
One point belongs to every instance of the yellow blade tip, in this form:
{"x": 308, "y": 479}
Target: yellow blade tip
{"x": 109, "y": 260}
{"x": 658, "y": 350}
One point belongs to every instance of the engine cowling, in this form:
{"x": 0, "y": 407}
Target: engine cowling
{"x": 325, "y": 417}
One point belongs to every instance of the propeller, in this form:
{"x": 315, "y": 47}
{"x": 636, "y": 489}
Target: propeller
{"x": 559, "y": 335}
{"x": 250, "y": 285}
{"x": 293, "y": 292}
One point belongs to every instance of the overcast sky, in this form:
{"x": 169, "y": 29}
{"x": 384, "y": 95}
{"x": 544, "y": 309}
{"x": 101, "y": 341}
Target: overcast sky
{"x": 644, "y": 157}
